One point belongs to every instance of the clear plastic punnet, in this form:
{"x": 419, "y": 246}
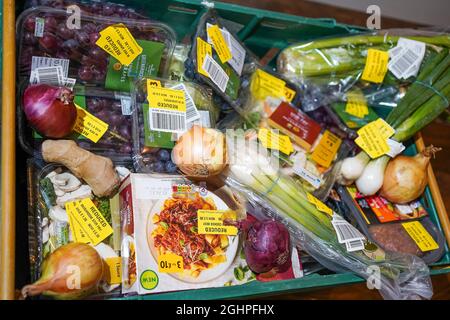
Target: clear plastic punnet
{"x": 155, "y": 131}
{"x": 52, "y": 38}
{"x": 113, "y": 108}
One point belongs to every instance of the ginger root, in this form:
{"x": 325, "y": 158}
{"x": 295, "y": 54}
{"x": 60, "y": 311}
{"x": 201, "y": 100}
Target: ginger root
{"x": 97, "y": 171}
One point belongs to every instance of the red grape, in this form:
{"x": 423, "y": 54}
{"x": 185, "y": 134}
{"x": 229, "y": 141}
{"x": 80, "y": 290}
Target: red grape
{"x": 30, "y": 23}
{"x": 85, "y": 73}
{"x": 48, "y": 42}
{"x": 64, "y": 32}
{"x": 50, "y": 24}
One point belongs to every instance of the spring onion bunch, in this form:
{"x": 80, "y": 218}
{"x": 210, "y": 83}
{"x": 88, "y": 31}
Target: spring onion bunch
{"x": 424, "y": 101}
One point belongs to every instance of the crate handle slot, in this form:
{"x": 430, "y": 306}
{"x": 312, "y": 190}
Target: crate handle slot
{"x": 180, "y": 9}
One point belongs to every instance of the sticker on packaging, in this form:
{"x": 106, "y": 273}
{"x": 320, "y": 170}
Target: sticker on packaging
{"x": 307, "y": 176}
{"x": 356, "y": 104}
{"x": 219, "y": 43}
{"x": 266, "y": 85}
{"x": 326, "y": 150}
{"x": 376, "y": 66}
{"x": 113, "y": 270}
{"x": 212, "y": 222}
{"x": 372, "y": 138}
{"x": 319, "y": 204}
{"x": 167, "y": 109}
{"x": 406, "y": 58}
{"x": 203, "y": 49}
{"x": 275, "y": 141}
{"x": 119, "y": 43}
{"x": 89, "y": 126}
{"x": 420, "y": 235}
{"x": 39, "y": 26}
{"x": 170, "y": 263}
{"x": 216, "y": 73}
{"x": 88, "y": 220}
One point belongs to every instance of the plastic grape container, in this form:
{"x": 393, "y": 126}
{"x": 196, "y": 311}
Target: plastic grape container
{"x": 49, "y": 37}
{"x": 114, "y": 108}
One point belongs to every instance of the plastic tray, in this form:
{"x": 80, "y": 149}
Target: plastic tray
{"x": 264, "y": 32}
{"x": 111, "y": 107}
{"x": 88, "y": 63}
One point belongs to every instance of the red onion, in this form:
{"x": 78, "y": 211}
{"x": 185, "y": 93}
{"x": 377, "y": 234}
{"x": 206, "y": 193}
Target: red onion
{"x": 267, "y": 247}
{"x": 50, "y": 110}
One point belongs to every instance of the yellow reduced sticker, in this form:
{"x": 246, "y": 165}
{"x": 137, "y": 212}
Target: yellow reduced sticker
{"x": 275, "y": 141}
{"x": 319, "y": 204}
{"x": 266, "y": 85}
{"x": 372, "y": 138}
{"x": 151, "y": 83}
{"x": 113, "y": 270}
{"x": 119, "y": 43}
{"x": 326, "y": 150}
{"x": 203, "y": 49}
{"x": 77, "y": 231}
{"x": 89, "y": 126}
{"x": 88, "y": 220}
{"x": 376, "y": 66}
{"x": 289, "y": 94}
{"x": 211, "y": 222}
{"x": 166, "y": 99}
{"x": 420, "y": 235}
{"x": 170, "y": 263}
{"x": 219, "y": 43}
{"x": 356, "y": 104}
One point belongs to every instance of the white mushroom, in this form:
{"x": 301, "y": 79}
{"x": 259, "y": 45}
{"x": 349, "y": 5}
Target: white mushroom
{"x": 58, "y": 214}
{"x": 44, "y": 222}
{"x": 67, "y": 182}
{"x": 81, "y": 193}
{"x": 123, "y": 172}
{"x": 51, "y": 175}
{"x": 45, "y": 235}
{"x": 58, "y": 191}
{"x": 51, "y": 229}
{"x": 105, "y": 252}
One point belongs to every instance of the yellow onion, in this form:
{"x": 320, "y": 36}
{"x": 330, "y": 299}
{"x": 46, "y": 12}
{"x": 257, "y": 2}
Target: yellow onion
{"x": 405, "y": 178}
{"x": 200, "y": 152}
{"x": 72, "y": 271}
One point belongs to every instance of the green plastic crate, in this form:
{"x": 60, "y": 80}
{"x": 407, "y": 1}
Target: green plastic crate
{"x": 261, "y": 31}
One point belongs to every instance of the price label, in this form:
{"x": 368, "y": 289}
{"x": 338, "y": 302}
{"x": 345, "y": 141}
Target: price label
{"x": 113, "y": 270}
{"x": 152, "y": 83}
{"x": 89, "y": 126}
{"x": 289, "y": 94}
{"x": 119, "y": 43}
{"x": 326, "y": 150}
{"x": 88, "y": 221}
{"x": 319, "y": 204}
{"x": 203, "y": 49}
{"x": 372, "y": 138}
{"x": 170, "y": 263}
{"x": 219, "y": 43}
{"x": 211, "y": 222}
{"x": 272, "y": 140}
{"x": 420, "y": 235}
{"x": 356, "y": 104}
{"x": 376, "y": 66}
{"x": 166, "y": 99}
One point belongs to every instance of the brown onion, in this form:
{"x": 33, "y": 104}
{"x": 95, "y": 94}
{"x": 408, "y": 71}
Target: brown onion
{"x": 72, "y": 271}
{"x": 200, "y": 152}
{"x": 405, "y": 178}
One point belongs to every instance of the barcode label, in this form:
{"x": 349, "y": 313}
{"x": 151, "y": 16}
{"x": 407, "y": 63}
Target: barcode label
{"x": 237, "y": 51}
{"x": 406, "y": 58}
{"x": 125, "y": 103}
{"x": 355, "y": 245}
{"x": 191, "y": 110}
{"x": 69, "y": 83}
{"x": 41, "y": 62}
{"x": 403, "y": 62}
{"x": 50, "y": 75}
{"x": 167, "y": 121}
{"x": 216, "y": 73}
{"x": 345, "y": 231}
{"x": 39, "y": 27}
{"x": 205, "y": 120}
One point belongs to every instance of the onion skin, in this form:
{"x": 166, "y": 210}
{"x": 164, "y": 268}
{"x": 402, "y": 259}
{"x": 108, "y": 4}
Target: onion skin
{"x": 406, "y": 177}
{"x": 50, "y": 110}
{"x": 59, "y": 270}
{"x": 200, "y": 152}
{"x": 267, "y": 247}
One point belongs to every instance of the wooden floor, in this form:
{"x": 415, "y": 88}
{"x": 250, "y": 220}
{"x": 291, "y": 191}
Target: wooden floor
{"x": 437, "y": 134}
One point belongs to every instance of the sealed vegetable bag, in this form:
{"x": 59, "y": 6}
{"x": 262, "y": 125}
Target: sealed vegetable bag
{"x": 318, "y": 230}
{"x": 269, "y": 106}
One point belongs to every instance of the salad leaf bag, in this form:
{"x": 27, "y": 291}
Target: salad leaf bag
{"x": 250, "y": 171}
